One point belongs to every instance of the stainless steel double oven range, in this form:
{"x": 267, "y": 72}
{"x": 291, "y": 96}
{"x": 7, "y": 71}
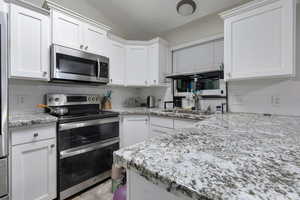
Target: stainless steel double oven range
{"x": 3, "y": 102}
{"x": 86, "y": 139}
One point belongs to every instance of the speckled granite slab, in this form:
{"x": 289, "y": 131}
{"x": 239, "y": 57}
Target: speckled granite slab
{"x": 21, "y": 120}
{"x": 159, "y": 113}
{"x": 226, "y": 157}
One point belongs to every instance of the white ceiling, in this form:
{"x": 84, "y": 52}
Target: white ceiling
{"x": 156, "y": 16}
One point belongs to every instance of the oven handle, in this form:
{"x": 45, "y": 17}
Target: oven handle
{"x": 92, "y": 147}
{"x": 73, "y": 125}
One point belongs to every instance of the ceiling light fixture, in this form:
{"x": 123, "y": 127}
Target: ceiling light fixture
{"x": 186, "y": 7}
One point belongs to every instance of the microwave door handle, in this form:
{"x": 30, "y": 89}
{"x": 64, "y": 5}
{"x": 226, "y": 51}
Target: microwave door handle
{"x": 98, "y": 75}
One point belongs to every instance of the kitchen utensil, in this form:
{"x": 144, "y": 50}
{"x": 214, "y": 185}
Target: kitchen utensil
{"x": 60, "y": 111}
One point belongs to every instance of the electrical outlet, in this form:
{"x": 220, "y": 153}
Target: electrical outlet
{"x": 21, "y": 99}
{"x": 275, "y": 101}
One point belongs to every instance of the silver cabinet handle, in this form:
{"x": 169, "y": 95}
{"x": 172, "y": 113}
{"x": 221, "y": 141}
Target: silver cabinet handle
{"x": 35, "y": 135}
{"x": 81, "y": 46}
{"x": 111, "y": 80}
{"x": 52, "y": 146}
{"x": 45, "y": 73}
{"x": 86, "y": 48}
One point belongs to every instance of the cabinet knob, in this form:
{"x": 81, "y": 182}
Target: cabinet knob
{"x": 154, "y": 81}
{"x": 228, "y": 74}
{"x": 146, "y": 82}
{"x": 81, "y": 46}
{"x": 52, "y": 146}
{"x": 45, "y": 73}
{"x": 111, "y": 80}
{"x": 86, "y": 48}
{"x": 35, "y": 135}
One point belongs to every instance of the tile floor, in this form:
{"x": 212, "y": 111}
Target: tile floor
{"x": 100, "y": 192}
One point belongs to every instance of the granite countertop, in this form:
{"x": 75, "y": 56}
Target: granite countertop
{"x": 160, "y": 113}
{"x": 21, "y": 120}
{"x": 226, "y": 157}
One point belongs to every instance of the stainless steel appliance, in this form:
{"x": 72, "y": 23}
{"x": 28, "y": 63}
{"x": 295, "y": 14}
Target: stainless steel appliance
{"x": 151, "y": 102}
{"x": 86, "y": 138}
{"x": 73, "y": 65}
{"x": 4, "y": 130}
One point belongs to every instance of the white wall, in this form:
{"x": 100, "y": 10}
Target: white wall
{"x": 25, "y": 95}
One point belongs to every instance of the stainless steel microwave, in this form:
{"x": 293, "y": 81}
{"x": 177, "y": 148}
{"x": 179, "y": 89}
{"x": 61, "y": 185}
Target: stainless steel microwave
{"x": 73, "y": 65}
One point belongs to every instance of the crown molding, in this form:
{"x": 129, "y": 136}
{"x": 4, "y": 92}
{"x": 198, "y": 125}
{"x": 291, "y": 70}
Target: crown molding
{"x": 50, "y": 5}
{"x": 137, "y": 42}
{"x": 28, "y": 5}
{"x": 246, "y": 7}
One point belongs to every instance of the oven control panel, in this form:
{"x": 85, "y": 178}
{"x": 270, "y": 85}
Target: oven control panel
{"x": 71, "y": 99}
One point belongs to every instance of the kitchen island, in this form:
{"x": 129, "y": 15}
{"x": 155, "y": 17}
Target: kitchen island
{"x": 231, "y": 156}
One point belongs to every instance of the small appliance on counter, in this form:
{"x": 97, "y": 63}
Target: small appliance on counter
{"x": 151, "y": 102}
{"x": 87, "y": 138}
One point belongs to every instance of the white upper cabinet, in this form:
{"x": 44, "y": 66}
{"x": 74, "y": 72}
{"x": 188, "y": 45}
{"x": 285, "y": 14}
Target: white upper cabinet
{"x": 202, "y": 57}
{"x": 218, "y": 53}
{"x": 95, "y": 40}
{"x": 159, "y": 62}
{"x": 29, "y": 44}
{"x": 117, "y": 61}
{"x": 136, "y": 73}
{"x": 153, "y": 61}
{"x": 67, "y": 31}
{"x": 71, "y": 32}
{"x": 260, "y": 40}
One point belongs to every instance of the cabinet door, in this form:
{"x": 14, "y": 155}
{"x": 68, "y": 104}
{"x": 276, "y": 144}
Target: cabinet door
{"x": 134, "y": 130}
{"x": 67, "y": 31}
{"x": 30, "y": 44}
{"x": 153, "y": 61}
{"x": 136, "y": 65}
{"x": 260, "y": 42}
{"x": 194, "y": 59}
{"x": 34, "y": 171}
{"x": 117, "y": 63}
{"x": 218, "y": 53}
{"x": 95, "y": 40}
{"x": 165, "y": 67}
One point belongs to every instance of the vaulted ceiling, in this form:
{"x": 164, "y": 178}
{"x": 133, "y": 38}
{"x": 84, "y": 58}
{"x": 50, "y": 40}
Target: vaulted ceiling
{"x": 142, "y": 19}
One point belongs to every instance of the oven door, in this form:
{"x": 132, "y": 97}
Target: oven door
{"x": 83, "y": 168}
{"x": 74, "y": 135}
{"x": 73, "y": 65}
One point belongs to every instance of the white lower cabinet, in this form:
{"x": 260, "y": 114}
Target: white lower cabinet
{"x": 134, "y": 129}
{"x": 33, "y": 164}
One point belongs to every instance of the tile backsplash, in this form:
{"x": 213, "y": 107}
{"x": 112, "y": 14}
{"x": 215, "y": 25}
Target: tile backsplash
{"x": 25, "y": 95}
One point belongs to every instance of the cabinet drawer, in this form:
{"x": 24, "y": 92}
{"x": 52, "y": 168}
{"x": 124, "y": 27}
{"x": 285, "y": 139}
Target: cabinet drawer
{"x": 178, "y": 124}
{"x": 162, "y": 122}
{"x": 33, "y": 134}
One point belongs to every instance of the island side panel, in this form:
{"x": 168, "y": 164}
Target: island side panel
{"x": 138, "y": 188}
